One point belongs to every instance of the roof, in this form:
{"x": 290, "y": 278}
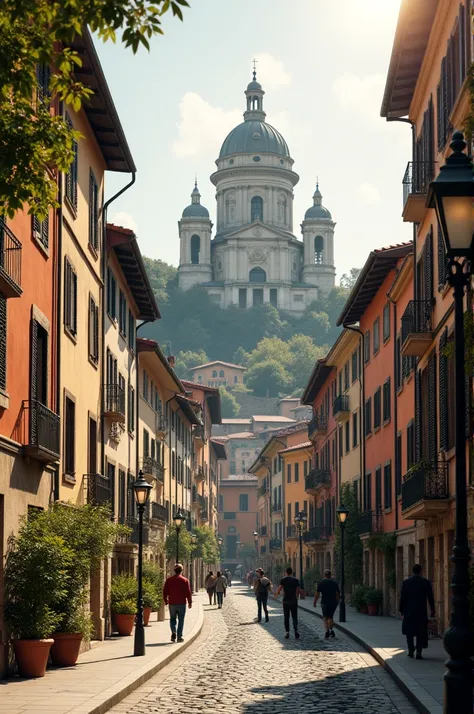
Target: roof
{"x": 123, "y": 242}
{"x": 297, "y": 447}
{"x": 241, "y": 435}
{"x": 195, "y": 209}
{"x": 219, "y": 449}
{"x": 217, "y": 361}
{"x": 289, "y": 399}
{"x": 236, "y": 421}
{"x": 233, "y": 478}
{"x": 254, "y": 137}
{"x": 213, "y": 399}
{"x": 146, "y": 345}
{"x": 100, "y": 108}
{"x": 415, "y": 21}
{"x": 186, "y": 406}
{"x": 272, "y": 419}
{"x": 377, "y": 267}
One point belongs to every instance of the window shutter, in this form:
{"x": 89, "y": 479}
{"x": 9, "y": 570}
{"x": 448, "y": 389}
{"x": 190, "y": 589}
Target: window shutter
{"x": 467, "y": 390}
{"x": 96, "y": 333}
{"x": 45, "y": 232}
{"x": 3, "y": 342}
{"x": 91, "y": 208}
{"x": 433, "y": 440}
{"x": 417, "y": 415}
{"x": 74, "y": 302}
{"x": 428, "y": 266}
{"x": 36, "y": 226}
{"x": 443, "y": 392}
{"x": 462, "y": 44}
{"x": 441, "y": 261}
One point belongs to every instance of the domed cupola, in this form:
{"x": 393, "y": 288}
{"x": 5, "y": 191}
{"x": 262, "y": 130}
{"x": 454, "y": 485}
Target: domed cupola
{"x": 318, "y": 239}
{"x": 317, "y": 210}
{"x": 195, "y": 209}
{"x": 195, "y": 243}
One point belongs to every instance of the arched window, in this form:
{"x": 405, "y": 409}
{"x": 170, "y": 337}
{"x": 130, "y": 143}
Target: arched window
{"x": 318, "y": 249}
{"x": 282, "y": 208}
{"x": 253, "y": 103}
{"x": 256, "y": 209}
{"x": 195, "y": 249}
{"x": 221, "y": 373}
{"x": 257, "y": 275}
{"x": 214, "y": 372}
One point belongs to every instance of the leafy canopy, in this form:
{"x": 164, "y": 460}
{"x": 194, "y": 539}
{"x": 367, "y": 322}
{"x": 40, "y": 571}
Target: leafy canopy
{"x": 37, "y": 33}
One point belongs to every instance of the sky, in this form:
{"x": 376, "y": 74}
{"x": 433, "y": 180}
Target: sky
{"x": 323, "y": 66}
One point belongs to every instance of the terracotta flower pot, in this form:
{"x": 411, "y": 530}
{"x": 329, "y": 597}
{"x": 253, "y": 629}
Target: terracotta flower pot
{"x": 65, "y": 650}
{"x": 124, "y": 624}
{"x": 146, "y": 615}
{"x": 32, "y": 656}
{"x": 373, "y": 609}
{"x": 364, "y": 609}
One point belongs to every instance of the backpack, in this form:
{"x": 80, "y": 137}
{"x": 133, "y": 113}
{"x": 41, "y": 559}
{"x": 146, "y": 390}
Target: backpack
{"x": 263, "y": 587}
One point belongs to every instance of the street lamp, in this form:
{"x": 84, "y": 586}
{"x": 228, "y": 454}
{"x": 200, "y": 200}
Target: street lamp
{"x": 452, "y": 194}
{"x": 342, "y": 514}
{"x": 178, "y": 519}
{"x": 193, "y": 545}
{"x": 301, "y": 521}
{"x": 141, "y": 489}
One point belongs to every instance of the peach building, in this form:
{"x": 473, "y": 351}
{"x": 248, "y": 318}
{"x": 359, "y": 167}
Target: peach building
{"x": 218, "y": 374}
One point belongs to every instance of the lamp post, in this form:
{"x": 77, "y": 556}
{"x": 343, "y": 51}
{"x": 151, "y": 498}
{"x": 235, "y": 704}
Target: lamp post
{"x": 193, "y": 545}
{"x": 301, "y": 521}
{"x": 342, "y": 514}
{"x": 452, "y": 195}
{"x": 141, "y": 489}
{"x": 219, "y": 543}
{"x": 178, "y": 519}
{"x": 255, "y": 540}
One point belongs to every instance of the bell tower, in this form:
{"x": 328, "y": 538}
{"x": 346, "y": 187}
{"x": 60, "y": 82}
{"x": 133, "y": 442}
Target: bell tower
{"x": 318, "y": 238}
{"x": 195, "y": 243}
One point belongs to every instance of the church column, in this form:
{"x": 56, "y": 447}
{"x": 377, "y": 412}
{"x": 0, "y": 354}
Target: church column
{"x": 275, "y": 205}
{"x": 238, "y": 204}
{"x": 290, "y": 209}
{"x": 245, "y": 216}
{"x": 220, "y": 209}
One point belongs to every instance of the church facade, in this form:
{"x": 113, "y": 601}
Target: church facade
{"x": 254, "y": 256}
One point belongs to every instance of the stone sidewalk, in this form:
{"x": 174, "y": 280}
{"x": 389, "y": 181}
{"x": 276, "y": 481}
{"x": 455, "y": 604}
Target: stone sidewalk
{"x": 422, "y": 680}
{"x": 103, "y": 676}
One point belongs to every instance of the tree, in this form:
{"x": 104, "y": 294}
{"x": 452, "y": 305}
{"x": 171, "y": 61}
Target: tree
{"x": 36, "y": 34}
{"x": 352, "y": 543}
{"x": 185, "y": 544}
{"x": 240, "y": 357}
{"x": 186, "y": 360}
{"x": 270, "y": 349}
{"x": 348, "y": 281}
{"x": 160, "y": 275}
{"x": 304, "y": 354}
{"x": 269, "y": 377}
{"x": 206, "y": 547}
{"x": 229, "y": 406}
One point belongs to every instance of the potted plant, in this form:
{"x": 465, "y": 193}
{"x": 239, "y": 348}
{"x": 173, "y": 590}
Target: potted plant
{"x": 374, "y": 599}
{"x": 358, "y": 599}
{"x": 123, "y": 591}
{"x": 150, "y": 600}
{"x": 75, "y": 626}
{"x": 124, "y": 612}
{"x": 36, "y": 576}
{"x": 154, "y": 574}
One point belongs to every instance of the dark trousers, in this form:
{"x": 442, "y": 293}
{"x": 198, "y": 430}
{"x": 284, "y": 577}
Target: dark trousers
{"x": 262, "y": 599}
{"x": 411, "y": 644}
{"x": 290, "y": 609}
{"x": 177, "y": 612}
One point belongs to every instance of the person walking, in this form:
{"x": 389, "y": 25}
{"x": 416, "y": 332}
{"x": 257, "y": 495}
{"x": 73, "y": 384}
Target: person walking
{"x": 210, "y": 585}
{"x": 291, "y": 591}
{"x": 330, "y": 594}
{"x": 228, "y": 576}
{"x": 262, "y": 587}
{"x": 415, "y": 596}
{"x": 176, "y": 593}
{"x": 221, "y": 587}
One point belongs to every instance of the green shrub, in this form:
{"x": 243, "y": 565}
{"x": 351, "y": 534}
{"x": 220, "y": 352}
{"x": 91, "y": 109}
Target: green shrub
{"x": 311, "y": 580}
{"x": 359, "y": 596}
{"x": 156, "y": 576}
{"x": 374, "y": 596}
{"x": 78, "y": 619}
{"x": 151, "y": 597}
{"x": 125, "y": 607}
{"x": 123, "y": 587}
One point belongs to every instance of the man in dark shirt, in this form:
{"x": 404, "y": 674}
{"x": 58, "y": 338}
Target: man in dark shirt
{"x": 330, "y": 594}
{"x": 416, "y": 594}
{"x": 291, "y": 591}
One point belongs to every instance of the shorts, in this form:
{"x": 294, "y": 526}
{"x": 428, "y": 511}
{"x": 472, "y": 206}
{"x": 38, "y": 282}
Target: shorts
{"x": 329, "y": 610}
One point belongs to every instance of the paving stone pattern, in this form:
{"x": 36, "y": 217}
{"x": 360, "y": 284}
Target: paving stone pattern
{"x": 241, "y": 667}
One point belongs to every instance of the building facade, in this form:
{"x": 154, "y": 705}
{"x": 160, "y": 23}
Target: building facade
{"x": 218, "y": 374}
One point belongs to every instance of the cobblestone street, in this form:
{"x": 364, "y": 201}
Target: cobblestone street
{"x": 240, "y": 666}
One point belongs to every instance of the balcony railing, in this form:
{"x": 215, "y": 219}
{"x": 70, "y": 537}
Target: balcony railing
{"x": 416, "y": 181}
{"x": 159, "y": 512}
{"x": 43, "y": 437}
{"x": 161, "y": 425}
{"x": 317, "y": 478}
{"x": 317, "y": 534}
{"x": 204, "y": 508}
{"x": 276, "y": 507}
{"x": 10, "y": 262}
{"x": 341, "y": 408}
{"x": 417, "y": 328}
{"x": 153, "y": 468}
{"x": 132, "y": 523}
{"x": 425, "y": 490}
{"x": 99, "y": 489}
{"x": 370, "y": 522}
{"x": 275, "y": 544}
{"x": 317, "y": 426}
{"x": 114, "y": 403}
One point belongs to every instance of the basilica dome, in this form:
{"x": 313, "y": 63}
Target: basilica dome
{"x": 254, "y": 137}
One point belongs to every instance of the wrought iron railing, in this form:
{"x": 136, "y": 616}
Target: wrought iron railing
{"x": 10, "y": 256}
{"x": 275, "y": 544}
{"x": 153, "y": 468}
{"x": 44, "y": 427}
{"x": 417, "y": 178}
{"x": 134, "y": 536}
{"x": 276, "y": 507}
{"x": 99, "y": 489}
{"x": 426, "y": 481}
{"x": 341, "y": 404}
{"x": 114, "y": 399}
{"x": 417, "y": 318}
{"x": 199, "y": 473}
{"x": 159, "y": 512}
{"x": 318, "y": 422}
{"x": 317, "y": 478}
{"x": 370, "y": 522}
{"x": 316, "y": 533}
{"x": 292, "y": 532}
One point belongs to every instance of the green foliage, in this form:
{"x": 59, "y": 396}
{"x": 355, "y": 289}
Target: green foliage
{"x": 349, "y": 280}
{"x": 187, "y": 359}
{"x": 268, "y": 378}
{"x": 123, "y": 587}
{"x": 311, "y": 580}
{"x": 352, "y": 544}
{"x": 77, "y": 620}
{"x": 151, "y": 596}
{"x": 154, "y": 574}
{"x": 40, "y": 32}
{"x": 359, "y": 596}
{"x": 125, "y": 607}
{"x": 185, "y": 544}
{"x": 37, "y": 572}
{"x": 206, "y": 547}
{"x": 229, "y": 405}
{"x": 160, "y": 274}
{"x": 387, "y": 544}
{"x": 374, "y": 596}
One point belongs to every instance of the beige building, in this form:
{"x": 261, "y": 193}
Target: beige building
{"x": 218, "y": 374}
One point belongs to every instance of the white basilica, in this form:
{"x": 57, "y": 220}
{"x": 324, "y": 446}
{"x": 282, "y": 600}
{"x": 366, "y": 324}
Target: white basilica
{"x": 254, "y": 256}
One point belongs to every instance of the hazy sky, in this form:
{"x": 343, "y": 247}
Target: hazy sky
{"x": 322, "y": 64}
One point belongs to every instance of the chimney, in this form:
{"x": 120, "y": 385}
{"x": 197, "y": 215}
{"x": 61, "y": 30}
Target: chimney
{"x": 172, "y": 360}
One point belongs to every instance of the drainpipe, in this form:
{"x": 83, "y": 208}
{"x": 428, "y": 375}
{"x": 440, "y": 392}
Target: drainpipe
{"x": 103, "y": 315}
{"x": 57, "y": 308}
{"x": 395, "y": 410}
{"x": 137, "y": 395}
{"x": 362, "y": 401}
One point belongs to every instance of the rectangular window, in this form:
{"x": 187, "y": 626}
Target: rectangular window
{"x": 122, "y": 496}
{"x": 93, "y": 212}
{"x": 288, "y": 473}
{"x": 376, "y": 335}
{"x": 145, "y": 392}
{"x": 3, "y": 342}
{"x": 355, "y": 430}
{"x": 274, "y": 297}
{"x": 377, "y": 408}
{"x": 131, "y": 330}
{"x": 70, "y": 298}
{"x": 354, "y": 366}
{"x": 386, "y": 322}
{"x": 93, "y": 330}
{"x": 71, "y": 175}
{"x": 243, "y": 502}
{"x": 346, "y": 376}
{"x": 43, "y": 78}
{"x": 243, "y": 298}
{"x": 111, "y": 294}
{"x": 221, "y": 503}
{"x": 387, "y": 478}
{"x": 70, "y": 437}
{"x": 410, "y": 444}
{"x": 305, "y": 468}
{"x": 297, "y": 508}
{"x": 257, "y": 296}
{"x": 340, "y": 441}
{"x": 367, "y": 347}
{"x": 398, "y": 466}
{"x": 368, "y": 492}
{"x": 41, "y": 230}
{"x": 340, "y": 382}
{"x": 368, "y": 416}
{"x": 122, "y": 314}
{"x": 347, "y": 430}
{"x": 288, "y": 510}
{"x": 386, "y": 400}
{"x": 131, "y": 409}
{"x": 378, "y": 489}
{"x": 297, "y": 473}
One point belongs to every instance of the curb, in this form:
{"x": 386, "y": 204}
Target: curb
{"x": 115, "y": 694}
{"x": 417, "y": 695}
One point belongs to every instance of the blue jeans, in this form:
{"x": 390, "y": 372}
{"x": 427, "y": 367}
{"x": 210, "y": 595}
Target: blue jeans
{"x": 220, "y": 598}
{"x": 177, "y": 611}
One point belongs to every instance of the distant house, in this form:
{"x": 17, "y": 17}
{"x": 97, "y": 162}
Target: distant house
{"x": 218, "y": 374}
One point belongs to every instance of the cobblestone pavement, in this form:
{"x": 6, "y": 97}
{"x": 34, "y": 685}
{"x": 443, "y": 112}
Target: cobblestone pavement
{"x": 238, "y": 666}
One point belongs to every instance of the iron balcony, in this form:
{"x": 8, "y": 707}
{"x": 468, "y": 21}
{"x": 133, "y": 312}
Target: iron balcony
{"x": 198, "y": 432}
{"x": 159, "y": 512}
{"x": 161, "y": 426}
{"x": 370, "y": 522}
{"x": 425, "y": 491}
{"x": 416, "y": 180}
{"x": 341, "y": 409}
{"x": 275, "y": 544}
{"x": 99, "y": 489}
{"x": 317, "y": 535}
{"x": 417, "y": 328}
{"x": 43, "y": 432}
{"x": 316, "y": 479}
{"x": 318, "y": 426}
{"x": 151, "y": 467}
{"x": 199, "y": 473}
{"x": 114, "y": 402}
{"x": 10, "y": 262}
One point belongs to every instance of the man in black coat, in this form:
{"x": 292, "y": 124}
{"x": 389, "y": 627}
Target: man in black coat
{"x": 415, "y": 596}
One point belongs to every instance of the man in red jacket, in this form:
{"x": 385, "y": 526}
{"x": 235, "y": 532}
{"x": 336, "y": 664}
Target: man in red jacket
{"x": 176, "y": 593}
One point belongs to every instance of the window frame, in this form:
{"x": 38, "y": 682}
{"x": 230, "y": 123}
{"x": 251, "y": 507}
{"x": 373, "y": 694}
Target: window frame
{"x": 386, "y": 323}
{"x": 376, "y": 336}
{"x": 70, "y": 299}
{"x": 93, "y": 331}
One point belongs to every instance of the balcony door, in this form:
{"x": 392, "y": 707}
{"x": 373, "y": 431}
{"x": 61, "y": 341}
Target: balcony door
{"x": 39, "y": 363}
{"x": 92, "y": 456}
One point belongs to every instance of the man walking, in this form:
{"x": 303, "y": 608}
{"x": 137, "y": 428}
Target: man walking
{"x": 415, "y": 596}
{"x": 291, "y": 591}
{"x": 330, "y": 595}
{"x": 176, "y": 592}
{"x": 262, "y": 587}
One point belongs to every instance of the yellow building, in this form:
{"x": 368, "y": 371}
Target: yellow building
{"x": 218, "y": 374}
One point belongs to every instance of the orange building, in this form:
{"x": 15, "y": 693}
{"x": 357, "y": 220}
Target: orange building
{"x": 238, "y": 519}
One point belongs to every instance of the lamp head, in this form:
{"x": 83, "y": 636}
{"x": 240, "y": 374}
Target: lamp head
{"x": 301, "y": 520}
{"x": 179, "y": 519}
{"x": 342, "y": 513}
{"x": 141, "y": 489}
